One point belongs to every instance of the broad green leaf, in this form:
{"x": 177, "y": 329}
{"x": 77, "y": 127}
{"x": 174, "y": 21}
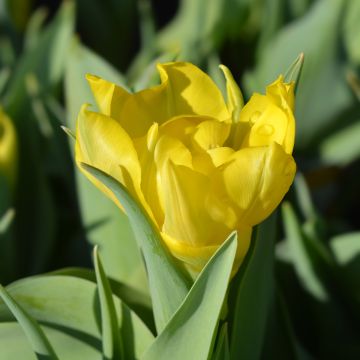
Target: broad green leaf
{"x": 343, "y": 147}
{"x": 111, "y": 340}
{"x": 39, "y": 342}
{"x": 14, "y": 344}
{"x": 253, "y": 294}
{"x": 135, "y": 299}
{"x": 106, "y": 226}
{"x": 300, "y": 254}
{"x": 71, "y": 305}
{"x": 316, "y": 35}
{"x": 346, "y": 247}
{"x": 168, "y": 286}
{"x": 191, "y": 332}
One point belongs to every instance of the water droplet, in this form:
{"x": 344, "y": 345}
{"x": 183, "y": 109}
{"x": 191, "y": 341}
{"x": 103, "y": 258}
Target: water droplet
{"x": 254, "y": 117}
{"x": 266, "y": 130}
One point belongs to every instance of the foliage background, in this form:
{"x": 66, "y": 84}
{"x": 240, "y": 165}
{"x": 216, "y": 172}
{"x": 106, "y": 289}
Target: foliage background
{"x": 53, "y": 215}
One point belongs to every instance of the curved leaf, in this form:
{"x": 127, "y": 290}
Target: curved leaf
{"x": 168, "y": 286}
{"x": 39, "y": 342}
{"x": 190, "y": 334}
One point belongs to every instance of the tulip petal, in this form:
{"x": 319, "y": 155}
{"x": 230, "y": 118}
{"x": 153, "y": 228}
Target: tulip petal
{"x": 102, "y": 143}
{"x": 211, "y": 134}
{"x": 191, "y": 91}
{"x": 145, "y": 148}
{"x": 109, "y": 97}
{"x": 268, "y": 118}
{"x": 263, "y": 122}
{"x": 186, "y": 217}
{"x": 256, "y": 180}
{"x": 220, "y": 155}
{"x": 235, "y": 100}
{"x": 282, "y": 94}
{"x": 195, "y": 257}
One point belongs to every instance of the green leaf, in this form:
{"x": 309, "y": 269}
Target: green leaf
{"x": 191, "y": 332}
{"x": 222, "y": 351}
{"x": 343, "y": 147}
{"x": 168, "y": 286}
{"x": 70, "y": 306}
{"x": 294, "y": 71}
{"x": 253, "y": 294}
{"x": 300, "y": 254}
{"x": 111, "y": 341}
{"x": 346, "y": 247}
{"x": 40, "y": 343}
{"x": 106, "y": 226}
{"x": 14, "y": 345}
{"x": 351, "y": 30}
{"x": 136, "y": 300}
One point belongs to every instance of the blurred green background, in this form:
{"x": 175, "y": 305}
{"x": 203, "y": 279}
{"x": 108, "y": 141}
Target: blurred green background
{"x": 50, "y": 215}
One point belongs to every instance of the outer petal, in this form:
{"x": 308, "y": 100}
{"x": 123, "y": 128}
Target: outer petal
{"x": 109, "y": 97}
{"x": 196, "y": 257}
{"x": 192, "y": 92}
{"x": 184, "y": 90}
{"x": 101, "y": 142}
{"x": 282, "y": 93}
{"x": 268, "y": 118}
{"x": 235, "y": 100}
{"x": 256, "y": 180}
{"x": 186, "y": 217}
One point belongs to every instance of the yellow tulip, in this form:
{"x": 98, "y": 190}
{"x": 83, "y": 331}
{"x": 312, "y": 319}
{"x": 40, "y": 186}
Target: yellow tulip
{"x": 200, "y": 167}
{"x": 8, "y": 149}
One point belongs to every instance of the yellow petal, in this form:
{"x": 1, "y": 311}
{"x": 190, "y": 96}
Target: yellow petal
{"x": 211, "y": 134}
{"x": 184, "y": 90}
{"x": 282, "y": 94}
{"x": 220, "y": 155}
{"x": 186, "y": 217}
{"x": 235, "y": 100}
{"x": 195, "y": 257}
{"x": 109, "y": 97}
{"x": 102, "y": 143}
{"x": 263, "y": 122}
{"x": 191, "y": 91}
{"x": 256, "y": 180}
{"x": 145, "y": 147}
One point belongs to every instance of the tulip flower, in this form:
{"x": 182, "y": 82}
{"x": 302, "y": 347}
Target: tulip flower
{"x": 199, "y": 166}
{"x": 8, "y": 149}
